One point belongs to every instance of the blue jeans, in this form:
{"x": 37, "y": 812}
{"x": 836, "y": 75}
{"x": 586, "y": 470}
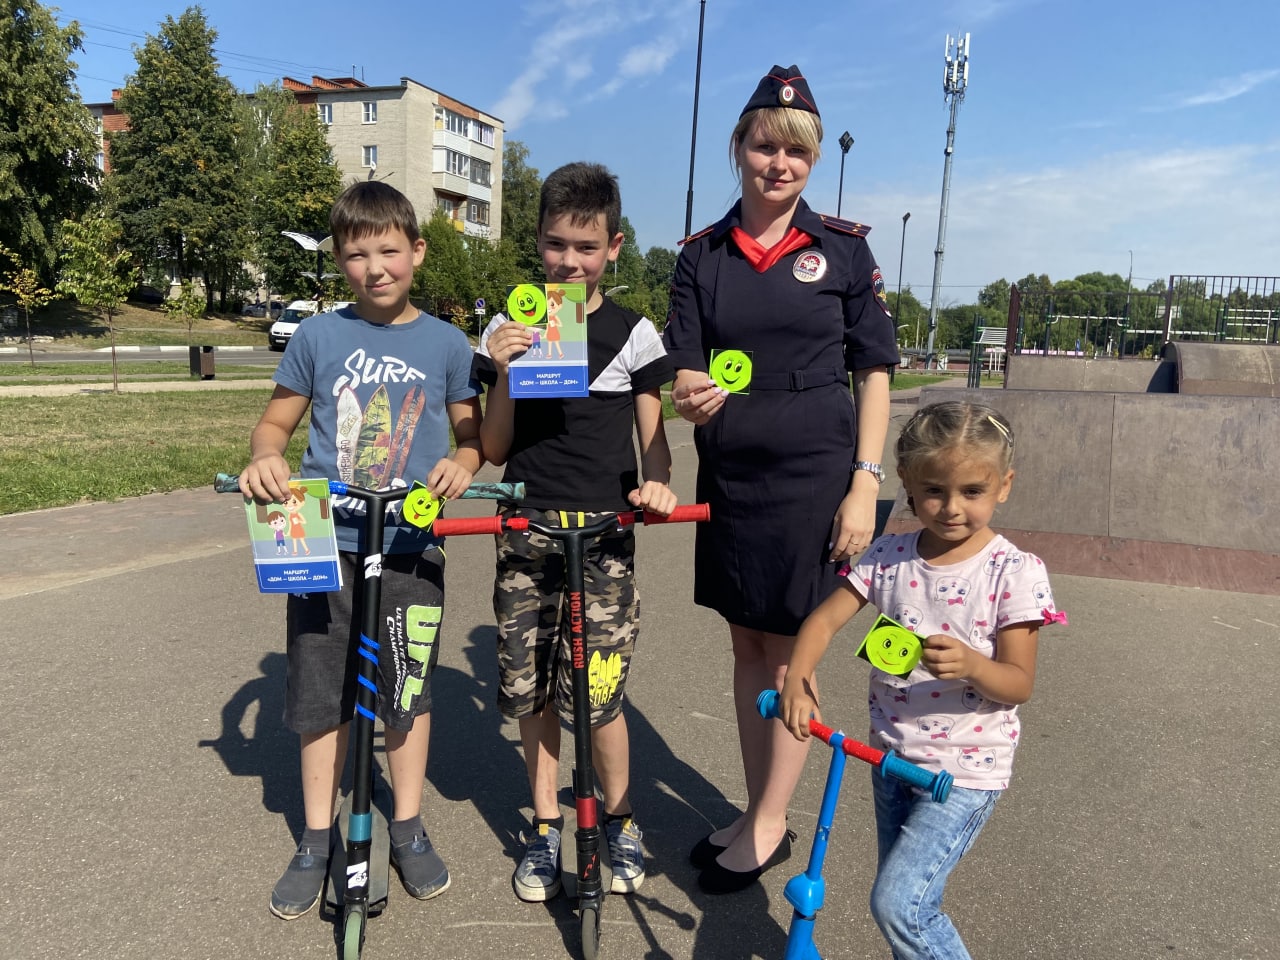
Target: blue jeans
{"x": 920, "y": 843}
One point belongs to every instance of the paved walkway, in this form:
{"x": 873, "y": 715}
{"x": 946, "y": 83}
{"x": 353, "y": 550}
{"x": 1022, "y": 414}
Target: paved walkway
{"x": 152, "y": 797}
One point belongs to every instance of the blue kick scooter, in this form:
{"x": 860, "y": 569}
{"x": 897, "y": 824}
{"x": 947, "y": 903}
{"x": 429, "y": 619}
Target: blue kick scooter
{"x": 806, "y": 892}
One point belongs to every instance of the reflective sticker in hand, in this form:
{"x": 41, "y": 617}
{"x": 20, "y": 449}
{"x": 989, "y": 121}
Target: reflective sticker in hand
{"x": 421, "y": 506}
{"x": 731, "y": 370}
{"x": 891, "y": 647}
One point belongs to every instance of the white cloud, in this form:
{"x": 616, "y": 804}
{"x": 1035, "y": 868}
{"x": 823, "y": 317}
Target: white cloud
{"x": 597, "y": 27}
{"x": 1211, "y": 210}
{"x": 1228, "y": 88}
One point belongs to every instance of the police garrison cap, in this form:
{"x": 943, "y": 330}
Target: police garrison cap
{"x": 782, "y": 87}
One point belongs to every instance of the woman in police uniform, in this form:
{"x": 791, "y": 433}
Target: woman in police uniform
{"x": 790, "y": 461}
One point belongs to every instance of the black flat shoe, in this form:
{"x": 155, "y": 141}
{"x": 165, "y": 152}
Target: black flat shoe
{"x": 717, "y": 878}
{"x": 704, "y": 853}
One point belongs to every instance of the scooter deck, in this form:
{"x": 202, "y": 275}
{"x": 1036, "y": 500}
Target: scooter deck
{"x": 379, "y": 855}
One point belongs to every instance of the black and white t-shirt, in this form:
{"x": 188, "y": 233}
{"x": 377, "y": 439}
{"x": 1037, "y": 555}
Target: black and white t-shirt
{"x": 577, "y": 453}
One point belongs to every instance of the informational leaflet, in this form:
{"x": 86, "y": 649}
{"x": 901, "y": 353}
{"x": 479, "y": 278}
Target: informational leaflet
{"x": 295, "y": 547}
{"x": 555, "y": 365}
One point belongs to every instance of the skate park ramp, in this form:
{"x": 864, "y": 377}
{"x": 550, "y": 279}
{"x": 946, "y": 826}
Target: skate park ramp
{"x": 1118, "y": 478}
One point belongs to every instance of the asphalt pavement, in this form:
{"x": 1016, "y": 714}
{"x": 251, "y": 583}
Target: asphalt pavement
{"x": 152, "y": 796}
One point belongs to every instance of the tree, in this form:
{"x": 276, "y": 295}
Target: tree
{"x": 187, "y": 306}
{"x": 291, "y": 176}
{"x": 443, "y": 279}
{"x": 97, "y": 271}
{"x": 994, "y": 298}
{"x": 910, "y": 314}
{"x": 47, "y": 140}
{"x": 521, "y": 193}
{"x": 493, "y": 270}
{"x": 25, "y": 285}
{"x": 659, "y": 270}
{"x": 175, "y": 174}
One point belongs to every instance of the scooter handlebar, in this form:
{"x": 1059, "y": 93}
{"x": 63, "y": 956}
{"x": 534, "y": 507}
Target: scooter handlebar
{"x": 937, "y": 784}
{"x": 230, "y": 483}
{"x": 463, "y": 526}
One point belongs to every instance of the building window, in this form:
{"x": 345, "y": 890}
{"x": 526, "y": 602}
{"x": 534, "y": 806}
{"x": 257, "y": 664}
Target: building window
{"x": 458, "y": 164}
{"x": 369, "y": 156}
{"x": 453, "y": 122}
{"x": 480, "y": 172}
{"x": 482, "y": 133}
{"x": 101, "y": 160}
{"x": 97, "y": 126}
{"x": 325, "y": 110}
{"x": 370, "y": 113}
{"x": 450, "y": 207}
{"x": 478, "y": 212}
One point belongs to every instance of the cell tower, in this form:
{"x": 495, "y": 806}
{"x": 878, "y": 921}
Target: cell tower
{"x": 955, "y": 78}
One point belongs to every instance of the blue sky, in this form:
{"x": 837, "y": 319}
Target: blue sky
{"x": 1091, "y": 132}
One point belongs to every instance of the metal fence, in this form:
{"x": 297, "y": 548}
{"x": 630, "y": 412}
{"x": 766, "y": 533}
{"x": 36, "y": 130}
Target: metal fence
{"x": 1090, "y": 323}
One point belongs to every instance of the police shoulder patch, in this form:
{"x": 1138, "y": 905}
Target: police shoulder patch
{"x": 851, "y": 227}
{"x": 877, "y": 287}
{"x": 694, "y": 236}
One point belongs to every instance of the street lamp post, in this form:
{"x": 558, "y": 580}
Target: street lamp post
{"x": 319, "y": 243}
{"x": 846, "y": 142}
{"x": 693, "y": 138}
{"x": 897, "y": 306}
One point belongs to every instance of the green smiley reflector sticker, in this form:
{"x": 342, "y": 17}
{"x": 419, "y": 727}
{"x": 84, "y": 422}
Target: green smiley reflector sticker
{"x": 731, "y": 370}
{"x": 891, "y": 647}
{"x": 526, "y": 303}
{"x": 421, "y": 506}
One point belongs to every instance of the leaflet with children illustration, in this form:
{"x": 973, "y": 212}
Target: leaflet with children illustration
{"x": 555, "y": 365}
{"x": 295, "y": 547}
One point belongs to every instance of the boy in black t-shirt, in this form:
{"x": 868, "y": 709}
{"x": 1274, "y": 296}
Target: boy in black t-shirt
{"x": 577, "y": 460}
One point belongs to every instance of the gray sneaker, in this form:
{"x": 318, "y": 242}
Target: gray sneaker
{"x": 298, "y": 889}
{"x": 625, "y": 855}
{"x": 538, "y": 876}
{"x": 422, "y": 872}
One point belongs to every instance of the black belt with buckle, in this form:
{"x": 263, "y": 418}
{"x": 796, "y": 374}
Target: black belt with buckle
{"x": 797, "y": 380}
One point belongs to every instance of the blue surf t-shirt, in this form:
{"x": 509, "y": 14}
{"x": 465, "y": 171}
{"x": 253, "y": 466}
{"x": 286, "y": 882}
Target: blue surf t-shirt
{"x": 378, "y": 419}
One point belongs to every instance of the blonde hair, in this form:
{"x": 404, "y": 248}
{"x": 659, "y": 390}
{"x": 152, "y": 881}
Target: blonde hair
{"x": 974, "y": 429}
{"x": 784, "y": 124}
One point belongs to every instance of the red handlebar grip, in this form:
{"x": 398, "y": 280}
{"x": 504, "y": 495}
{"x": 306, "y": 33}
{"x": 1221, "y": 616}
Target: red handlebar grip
{"x": 854, "y": 748}
{"x": 689, "y": 513}
{"x": 821, "y": 731}
{"x": 460, "y": 526}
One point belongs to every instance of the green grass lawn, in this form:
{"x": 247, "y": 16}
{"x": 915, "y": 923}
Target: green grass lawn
{"x": 131, "y": 371}
{"x": 61, "y": 450}
{"x": 105, "y": 446}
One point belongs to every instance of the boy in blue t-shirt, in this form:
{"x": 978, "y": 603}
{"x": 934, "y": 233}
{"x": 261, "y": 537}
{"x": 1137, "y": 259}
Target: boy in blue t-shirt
{"x": 577, "y": 458}
{"x": 385, "y": 383}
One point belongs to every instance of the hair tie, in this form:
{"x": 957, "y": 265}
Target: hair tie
{"x": 1004, "y": 431}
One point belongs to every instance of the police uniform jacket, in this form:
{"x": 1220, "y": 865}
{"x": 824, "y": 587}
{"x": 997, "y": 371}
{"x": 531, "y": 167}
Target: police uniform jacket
{"x": 775, "y": 462}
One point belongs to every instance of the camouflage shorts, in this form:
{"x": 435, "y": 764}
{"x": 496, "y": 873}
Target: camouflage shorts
{"x": 533, "y": 626}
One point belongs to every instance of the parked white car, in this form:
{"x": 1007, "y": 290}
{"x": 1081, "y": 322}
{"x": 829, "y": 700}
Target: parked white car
{"x": 297, "y": 311}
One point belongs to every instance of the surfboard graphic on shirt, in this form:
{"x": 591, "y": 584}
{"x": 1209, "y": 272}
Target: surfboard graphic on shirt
{"x": 375, "y": 440}
{"x": 347, "y": 436}
{"x": 402, "y": 439}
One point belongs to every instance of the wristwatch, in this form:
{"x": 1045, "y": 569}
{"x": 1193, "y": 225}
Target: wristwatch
{"x": 874, "y": 469}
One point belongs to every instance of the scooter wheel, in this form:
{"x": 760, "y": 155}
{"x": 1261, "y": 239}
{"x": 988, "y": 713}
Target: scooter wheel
{"x": 589, "y": 927}
{"x": 353, "y": 935}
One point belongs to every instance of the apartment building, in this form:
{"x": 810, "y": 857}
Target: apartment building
{"x": 108, "y": 119}
{"x": 440, "y": 152}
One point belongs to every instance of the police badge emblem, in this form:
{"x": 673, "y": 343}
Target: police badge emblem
{"x": 809, "y": 266}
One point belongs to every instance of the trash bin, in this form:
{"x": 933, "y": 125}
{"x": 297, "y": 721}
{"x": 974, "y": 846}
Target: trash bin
{"x": 201, "y": 362}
